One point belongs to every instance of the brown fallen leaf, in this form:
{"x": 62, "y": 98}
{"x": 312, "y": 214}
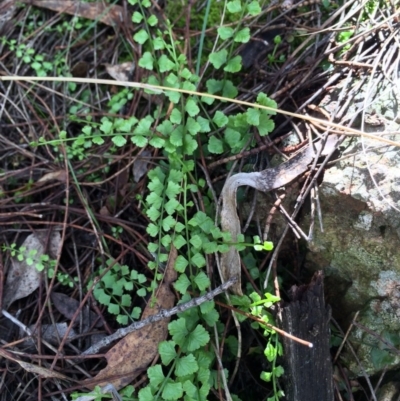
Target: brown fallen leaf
{"x": 104, "y": 211}
{"x": 68, "y": 306}
{"x": 134, "y": 353}
{"x": 50, "y": 333}
{"x": 59, "y": 175}
{"x": 108, "y": 14}
{"x": 121, "y": 72}
{"x": 80, "y": 69}
{"x": 140, "y": 166}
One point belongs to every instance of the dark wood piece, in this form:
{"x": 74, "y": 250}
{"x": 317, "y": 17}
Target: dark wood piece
{"x": 308, "y": 371}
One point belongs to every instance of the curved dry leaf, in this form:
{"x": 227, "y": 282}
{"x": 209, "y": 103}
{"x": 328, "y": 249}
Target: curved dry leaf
{"x": 59, "y": 175}
{"x": 41, "y": 371}
{"x": 23, "y": 279}
{"x": 68, "y": 306}
{"x": 29, "y": 367}
{"x": 265, "y": 181}
{"x": 140, "y": 165}
{"x": 134, "y": 353}
{"x": 50, "y": 333}
{"x": 121, "y": 72}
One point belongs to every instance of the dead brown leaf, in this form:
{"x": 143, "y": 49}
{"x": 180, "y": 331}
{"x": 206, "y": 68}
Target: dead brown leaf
{"x": 68, "y": 306}
{"x": 121, "y": 72}
{"x": 80, "y": 69}
{"x": 41, "y": 371}
{"x": 104, "y": 211}
{"x": 140, "y": 166}
{"x": 50, "y": 333}
{"x": 59, "y": 175}
{"x": 134, "y": 353}
{"x": 108, "y": 14}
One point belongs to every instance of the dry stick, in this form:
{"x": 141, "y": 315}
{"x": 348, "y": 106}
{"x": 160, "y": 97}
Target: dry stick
{"x": 223, "y": 376}
{"x": 240, "y": 341}
{"x": 30, "y": 333}
{"x": 352, "y": 351}
{"x": 319, "y": 210}
{"x": 164, "y": 313}
{"x": 297, "y": 231}
{"x": 271, "y": 214}
{"x": 377, "y": 336}
{"x": 312, "y": 214}
{"x": 251, "y": 212}
{"x": 270, "y": 326}
{"x": 296, "y": 211}
{"x": 161, "y": 89}
{"x": 368, "y": 164}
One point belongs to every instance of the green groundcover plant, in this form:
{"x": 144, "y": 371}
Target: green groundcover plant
{"x": 187, "y": 128}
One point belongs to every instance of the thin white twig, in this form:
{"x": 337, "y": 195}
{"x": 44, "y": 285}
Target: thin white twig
{"x": 164, "y": 314}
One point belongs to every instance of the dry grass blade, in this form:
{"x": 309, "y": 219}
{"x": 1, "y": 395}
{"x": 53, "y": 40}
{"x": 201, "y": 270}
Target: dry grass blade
{"x": 339, "y": 129}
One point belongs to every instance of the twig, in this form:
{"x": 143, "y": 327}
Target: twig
{"x": 271, "y": 216}
{"x": 164, "y": 314}
{"x": 223, "y": 376}
{"x": 29, "y": 332}
{"x": 312, "y": 214}
{"x": 270, "y": 326}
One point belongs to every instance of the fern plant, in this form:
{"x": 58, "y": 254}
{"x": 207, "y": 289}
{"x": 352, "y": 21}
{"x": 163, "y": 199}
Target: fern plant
{"x": 178, "y": 203}
{"x": 114, "y": 288}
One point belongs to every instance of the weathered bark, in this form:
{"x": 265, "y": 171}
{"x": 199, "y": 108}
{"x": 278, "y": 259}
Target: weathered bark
{"x": 308, "y": 371}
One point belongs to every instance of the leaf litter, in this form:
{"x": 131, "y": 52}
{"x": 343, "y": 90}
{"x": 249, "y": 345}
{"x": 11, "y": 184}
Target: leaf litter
{"x": 110, "y": 15}
{"x": 23, "y": 277}
{"x": 133, "y": 354}
{"x": 67, "y": 306}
